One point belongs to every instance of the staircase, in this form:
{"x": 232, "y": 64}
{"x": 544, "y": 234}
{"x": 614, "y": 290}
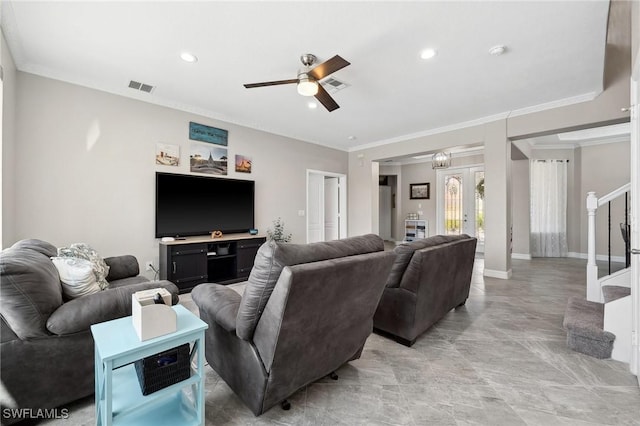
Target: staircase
{"x": 593, "y": 327}
{"x": 600, "y": 326}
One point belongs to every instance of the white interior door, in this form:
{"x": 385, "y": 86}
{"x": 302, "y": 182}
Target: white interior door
{"x": 634, "y": 365}
{"x": 460, "y": 198}
{"x": 331, "y": 208}
{"x": 326, "y": 206}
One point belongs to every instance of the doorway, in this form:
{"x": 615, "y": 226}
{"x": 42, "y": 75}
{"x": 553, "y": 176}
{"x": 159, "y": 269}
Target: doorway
{"x": 460, "y": 200}
{"x": 387, "y": 211}
{"x": 326, "y": 206}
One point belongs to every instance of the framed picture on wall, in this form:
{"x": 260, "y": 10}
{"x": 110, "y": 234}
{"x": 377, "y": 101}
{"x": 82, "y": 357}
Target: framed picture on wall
{"x": 419, "y": 191}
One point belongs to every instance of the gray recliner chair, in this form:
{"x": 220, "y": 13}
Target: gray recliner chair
{"x": 46, "y": 347}
{"x": 307, "y": 309}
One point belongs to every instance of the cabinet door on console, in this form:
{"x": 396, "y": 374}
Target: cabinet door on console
{"x": 246, "y": 254}
{"x": 187, "y": 265}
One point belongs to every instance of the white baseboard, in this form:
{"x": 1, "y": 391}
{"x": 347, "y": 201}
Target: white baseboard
{"x": 503, "y": 275}
{"x": 602, "y": 257}
{"x": 521, "y": 256}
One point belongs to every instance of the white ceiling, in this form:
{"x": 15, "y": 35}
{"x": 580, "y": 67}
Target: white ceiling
{"x": 555, "y": 52}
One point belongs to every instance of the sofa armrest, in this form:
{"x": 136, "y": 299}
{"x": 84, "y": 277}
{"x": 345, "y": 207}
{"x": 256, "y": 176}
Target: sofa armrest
{"x": 219, "y": 303}
{"x": 122, "y": 267}
{"x": 79, "y": 314}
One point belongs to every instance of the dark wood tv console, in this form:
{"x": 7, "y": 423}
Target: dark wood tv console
{"x": 195, "y": 260}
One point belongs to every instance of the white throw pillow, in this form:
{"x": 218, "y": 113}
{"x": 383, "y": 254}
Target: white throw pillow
{"x": 77, "y": 276}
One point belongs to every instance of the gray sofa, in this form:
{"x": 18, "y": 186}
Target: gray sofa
{"x": 46, "y": 346}
{"x": 429, "y": 278}
{"x": 306, "y": 310}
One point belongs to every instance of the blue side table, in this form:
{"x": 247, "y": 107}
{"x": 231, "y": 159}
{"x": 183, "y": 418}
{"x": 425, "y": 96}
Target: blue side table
{"x": 119, "y": 400}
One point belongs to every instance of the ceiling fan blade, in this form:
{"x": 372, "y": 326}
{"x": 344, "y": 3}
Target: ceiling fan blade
{"x": 328, "y": 67}
{"x": 325, "y": 99}
{"x": 270, "y": 83}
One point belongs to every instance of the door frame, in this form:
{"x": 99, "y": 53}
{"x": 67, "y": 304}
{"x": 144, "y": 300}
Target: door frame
{"x": 634, "y": 365}
{"x": 467, "y": 171}
{"x": 342, "y": 201}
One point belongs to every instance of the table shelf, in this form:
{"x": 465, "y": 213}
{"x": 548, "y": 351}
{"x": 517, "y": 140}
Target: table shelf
{"x": 119, "y": 400}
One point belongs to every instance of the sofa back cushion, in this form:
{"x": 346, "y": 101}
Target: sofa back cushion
{"x": 30, "y": 287}
{"x": 440, "y": 262}
{"x": 272, "y": 257}
{"x": 404, "y": 253}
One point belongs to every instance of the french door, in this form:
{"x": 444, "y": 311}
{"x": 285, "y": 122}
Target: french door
{"x": 460, "y": 198}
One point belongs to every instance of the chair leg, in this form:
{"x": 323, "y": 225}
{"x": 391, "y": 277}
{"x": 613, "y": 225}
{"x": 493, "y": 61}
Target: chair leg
{"x": 462, "y": 304}
{"x": 333, "y": 375}
{"x": 286, "y": 405}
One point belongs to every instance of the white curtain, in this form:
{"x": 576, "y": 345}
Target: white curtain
{"x": 548, "y": 208}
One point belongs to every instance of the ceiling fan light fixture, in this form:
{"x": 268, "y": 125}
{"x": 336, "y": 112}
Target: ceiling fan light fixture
{"x": 307, "y": 86}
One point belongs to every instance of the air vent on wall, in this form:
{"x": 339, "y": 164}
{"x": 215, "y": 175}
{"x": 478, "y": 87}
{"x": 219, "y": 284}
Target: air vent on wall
{"x": 140, "y": 86}
{"x": 332, "y": 85}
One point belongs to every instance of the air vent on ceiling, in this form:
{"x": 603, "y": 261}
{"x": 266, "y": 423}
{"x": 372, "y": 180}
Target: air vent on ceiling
{"x": 332, "y": 85}
{"x": 141, "y": 86}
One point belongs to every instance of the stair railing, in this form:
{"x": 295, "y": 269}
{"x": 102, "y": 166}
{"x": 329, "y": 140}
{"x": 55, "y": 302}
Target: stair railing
{"x": 594, "y": 292}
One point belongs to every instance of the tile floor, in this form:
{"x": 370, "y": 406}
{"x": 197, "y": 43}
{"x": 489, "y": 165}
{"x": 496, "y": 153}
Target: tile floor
{"x": 499, "y": 360}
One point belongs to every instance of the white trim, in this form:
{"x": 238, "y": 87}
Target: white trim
{"x": 602, "y": 257}
{"x": 521, "y": 256}
{"x": 493, "y": 273}
{"x": 582, "y": 144}
{"x": 586, "y": 97}
{"x": 483, "y": 120}
{"x": 430, "y": 132}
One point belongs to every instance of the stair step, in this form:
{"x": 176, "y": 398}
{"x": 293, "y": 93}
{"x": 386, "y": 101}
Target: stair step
{"x": 614, "y": 292}
{"x": 584, "y": 322}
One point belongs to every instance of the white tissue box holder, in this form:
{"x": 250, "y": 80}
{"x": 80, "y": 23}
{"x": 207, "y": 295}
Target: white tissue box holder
{"x": 150, "y": 319}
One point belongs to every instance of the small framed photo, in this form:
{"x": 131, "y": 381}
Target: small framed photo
{"x": 419, "y": 191}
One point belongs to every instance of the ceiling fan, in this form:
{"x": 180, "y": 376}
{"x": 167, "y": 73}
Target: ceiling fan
{"x": 308, "y": 79}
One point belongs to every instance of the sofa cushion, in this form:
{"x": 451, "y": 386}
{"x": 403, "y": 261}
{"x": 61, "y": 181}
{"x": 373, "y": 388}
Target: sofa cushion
{"x": 77, "y": 276}
{"x": 39, "y": 246}
{"x": 30, "y": 287}
{"x": 272, "y": 257}
{"x": 405, "y": 251}
{"x": 85, "y": 251}
{"x": 121, "y": 267}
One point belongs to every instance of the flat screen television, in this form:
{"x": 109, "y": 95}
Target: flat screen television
{"x": 198, "y": 205}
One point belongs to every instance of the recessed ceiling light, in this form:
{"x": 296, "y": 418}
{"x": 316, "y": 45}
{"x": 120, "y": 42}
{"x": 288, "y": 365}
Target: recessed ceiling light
{"x": 497, "y": 50}
{"x": 188, "y": 57}
{"x": 428, "y": 53}
{"x": 312, "y": 105}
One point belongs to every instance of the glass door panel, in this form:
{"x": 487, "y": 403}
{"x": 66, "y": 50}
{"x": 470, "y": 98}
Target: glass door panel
{"x": 461, "y": 203}
{"x": 479, "y": 205}
{"x": 453, "y": 204}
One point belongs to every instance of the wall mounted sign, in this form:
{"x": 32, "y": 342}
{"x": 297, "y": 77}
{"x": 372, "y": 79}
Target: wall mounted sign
{"x": 200, "y": 132}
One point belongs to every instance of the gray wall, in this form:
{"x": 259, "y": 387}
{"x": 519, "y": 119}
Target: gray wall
{"x": 86, "y": 167}
{"x": 7, "y": 165}
{"x": 521, "y": 201}
{"x": 604, "y": 169}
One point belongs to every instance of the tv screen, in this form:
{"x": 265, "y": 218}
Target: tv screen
{"x": 198, "y": 205}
